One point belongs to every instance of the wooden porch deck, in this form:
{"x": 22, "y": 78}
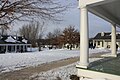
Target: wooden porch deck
{"x": 107, "y": 65}
{"x": 107, "y": 68}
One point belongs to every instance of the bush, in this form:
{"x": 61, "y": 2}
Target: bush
{"x": 74, "y": 77}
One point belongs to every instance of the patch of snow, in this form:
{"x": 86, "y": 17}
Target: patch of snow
{"x": 98, "y": 50}
{"x": 33, "y": 49}
{"x": 24, "y": 40}
{"x": 63, "y": 72}
{"x": 10, "y": 39}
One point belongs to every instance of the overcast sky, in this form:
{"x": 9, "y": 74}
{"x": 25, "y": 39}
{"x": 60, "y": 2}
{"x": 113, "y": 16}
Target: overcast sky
{"x": 72, "y": 17}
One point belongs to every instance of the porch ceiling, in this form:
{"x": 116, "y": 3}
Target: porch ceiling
{"x": 109, "y": 11}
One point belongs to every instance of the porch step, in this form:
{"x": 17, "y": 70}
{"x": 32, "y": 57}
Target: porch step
{"x": 95, "y": 75}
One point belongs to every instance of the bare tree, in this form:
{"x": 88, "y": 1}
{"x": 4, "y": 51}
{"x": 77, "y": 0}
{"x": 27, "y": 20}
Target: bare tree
{"x": 50, "y": 36}
{"x": 70, "y": 35}
{"x": 3, "y": 30}
{"x": 32, "y": 31}
{"x": 57, "y": 32}
{"x": 53, "y": 38}
{"x": 40, "y": 36}
{"x": 26, "y": 10}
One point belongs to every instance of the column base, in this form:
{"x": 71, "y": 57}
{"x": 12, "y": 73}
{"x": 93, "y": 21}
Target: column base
{"x": 85, "y": 66}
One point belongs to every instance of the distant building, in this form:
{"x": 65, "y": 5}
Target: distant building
{"x": 103, "y": 40}
{"x": 71, "y": 46}
{"x": 9, "y": 43}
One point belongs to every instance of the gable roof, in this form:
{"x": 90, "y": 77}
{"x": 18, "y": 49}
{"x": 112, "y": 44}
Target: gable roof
{"x": 13, "y": 39}
{"x": 24, "y": 40}
{"x": 10, "y": 39}
{"x": 106, "y": 35}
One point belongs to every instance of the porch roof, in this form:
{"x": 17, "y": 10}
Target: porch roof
{"x": 106, "y": 9}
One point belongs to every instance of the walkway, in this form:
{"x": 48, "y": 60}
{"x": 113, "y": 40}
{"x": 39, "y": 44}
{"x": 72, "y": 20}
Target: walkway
{"x": 24, "y": 74}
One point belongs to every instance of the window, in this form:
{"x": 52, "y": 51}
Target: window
{"x": 98, "y": 42}
{"x": 102, "y": 44}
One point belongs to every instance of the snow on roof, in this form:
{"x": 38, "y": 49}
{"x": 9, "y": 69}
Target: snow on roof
{"x": 1, "y": 37}
{"x": 107, "y": 35}
{"x": 18, "y": 41}
{"x": 15, "y": 37}
{"x": 10, "y": 39}
{"x": 24, "y": 40}
{"x": 116, "y": 33}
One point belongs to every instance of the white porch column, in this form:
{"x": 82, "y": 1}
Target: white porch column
{"x": 93, "y": 42}
{"x": 6, "y": 48}
{"x": 105, "y": 44}
{"x": 20, "y": 48}
{"x": 23, "y": 48}
{"x": 15, "y": 48}
{"x": 84, "y": 38}
{"x": 113, "y": 41}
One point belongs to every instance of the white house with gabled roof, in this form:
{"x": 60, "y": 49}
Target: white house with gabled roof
{"x": 103, "y": 40}
{"x": 10, "y": 43}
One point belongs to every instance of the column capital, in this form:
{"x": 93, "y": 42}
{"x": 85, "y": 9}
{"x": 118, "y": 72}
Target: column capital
{"x": 83, "y": 8}
{"x": 82, "y": 4}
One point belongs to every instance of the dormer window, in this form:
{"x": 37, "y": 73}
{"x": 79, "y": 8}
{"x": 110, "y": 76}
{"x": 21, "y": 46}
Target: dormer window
{"x": 102, "y": 33}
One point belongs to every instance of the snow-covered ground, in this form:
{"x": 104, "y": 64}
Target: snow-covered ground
{"x": 63, "y": 72}
{"x": 15, "y": 61}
